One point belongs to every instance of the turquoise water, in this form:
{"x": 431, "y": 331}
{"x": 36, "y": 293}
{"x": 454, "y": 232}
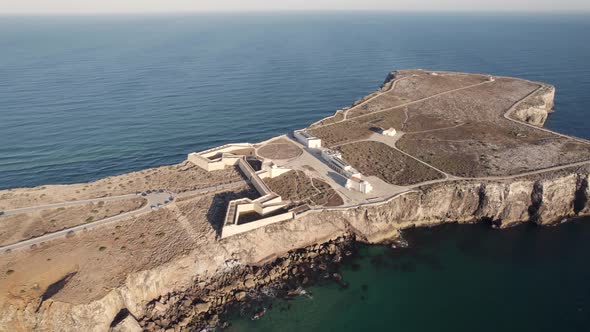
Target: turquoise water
{"x": 452, "y": 278}
{"x": 82, "y": 98}
{"x": 88, "y": 97}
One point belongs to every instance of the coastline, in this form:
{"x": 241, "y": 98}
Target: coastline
{"x": 543, "y": 197}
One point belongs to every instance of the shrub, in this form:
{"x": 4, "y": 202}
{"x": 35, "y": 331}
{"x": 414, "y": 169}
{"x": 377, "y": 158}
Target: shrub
{"x": 102, "y": 248}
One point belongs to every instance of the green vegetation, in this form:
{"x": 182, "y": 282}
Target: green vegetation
{"x": 102, "y": 248}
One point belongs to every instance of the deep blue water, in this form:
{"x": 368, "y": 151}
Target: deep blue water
{"x": 86, "y": 97}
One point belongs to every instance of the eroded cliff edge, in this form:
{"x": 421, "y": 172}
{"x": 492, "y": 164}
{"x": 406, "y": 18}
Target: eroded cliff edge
{"x": 193, "y": 287}
{"x": 173, "y": 290}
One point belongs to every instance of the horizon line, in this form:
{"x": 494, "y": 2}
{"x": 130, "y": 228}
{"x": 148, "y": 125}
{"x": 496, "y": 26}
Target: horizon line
{"x": 285, "y": 11}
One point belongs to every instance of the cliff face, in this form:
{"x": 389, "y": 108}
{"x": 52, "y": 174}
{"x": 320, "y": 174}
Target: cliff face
{"x": 171, "y": 294}
{"x": 536, "y": 110}
{"x": 544, "y": 201}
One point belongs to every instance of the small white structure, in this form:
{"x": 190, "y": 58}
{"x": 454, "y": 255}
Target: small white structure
{"x": 335, "y": 161}
{"x": 389, "y": 132}
{"x": 355, "y": 183}
{"x": 307, "y": 139}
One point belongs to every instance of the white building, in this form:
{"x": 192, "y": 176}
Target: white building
{"x": 389, "y": 132}
{"x": 355, "y": 183}
{"x": 328, "y": 154}
{"x": 335, "y": 161}
{"x": 307, "y": 139}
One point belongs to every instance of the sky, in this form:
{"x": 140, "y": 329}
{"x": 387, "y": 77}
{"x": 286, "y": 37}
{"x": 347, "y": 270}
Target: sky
{"x": 188, "y": 6}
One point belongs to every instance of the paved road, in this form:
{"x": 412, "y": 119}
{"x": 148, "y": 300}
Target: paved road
{"x": 154, "y": 200}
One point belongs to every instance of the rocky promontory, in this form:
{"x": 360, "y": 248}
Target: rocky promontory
{"x": 469, "y": 148}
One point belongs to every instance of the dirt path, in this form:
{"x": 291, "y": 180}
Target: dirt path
{"x": 513, "y": 108}
{"x": 69, "y": 203}
{"x": 154, "y": 199}
{"x": 404, "y": 105}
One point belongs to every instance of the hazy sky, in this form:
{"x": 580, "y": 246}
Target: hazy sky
{"x": 162, "y": 6}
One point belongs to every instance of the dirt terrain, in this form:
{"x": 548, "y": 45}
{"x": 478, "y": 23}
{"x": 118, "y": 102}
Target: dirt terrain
{"x": 279, "y": 149}
{"x": 462, "y": 132}
{"x": 454, "y": 122}
{"x": 391, "y": 166}
{"x": 100, "y": 260}
{"x": 412, "y": 86}
{"x": 299, "y": 188}
{"x": 175, "y": 178}
{"x": 23, "y": 226}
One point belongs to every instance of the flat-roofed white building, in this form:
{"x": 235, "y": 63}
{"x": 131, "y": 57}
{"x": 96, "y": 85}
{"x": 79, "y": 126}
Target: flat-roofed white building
{"x": 335, "y": 161}
{"x": 306, "y": 138}
{"x": 355, "y": 183}
{"x": 389, "y": 132}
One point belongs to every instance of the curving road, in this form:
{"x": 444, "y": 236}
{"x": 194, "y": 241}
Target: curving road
{"x": 154, "y": 201}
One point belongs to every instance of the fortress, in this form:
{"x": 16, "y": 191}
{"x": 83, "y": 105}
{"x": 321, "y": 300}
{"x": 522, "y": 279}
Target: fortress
{"x": 425, "y": 149}
{"x": 245, "y": 214}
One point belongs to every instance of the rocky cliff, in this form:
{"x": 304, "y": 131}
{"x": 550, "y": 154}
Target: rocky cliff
{"x": 544, "y": 200}
{"x": 537, "y": 108}
{"x": 198, "y": 285}
{"x": 190, "y": 291}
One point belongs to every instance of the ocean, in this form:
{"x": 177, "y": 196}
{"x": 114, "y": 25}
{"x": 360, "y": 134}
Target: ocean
{"x": 82, "y": 98}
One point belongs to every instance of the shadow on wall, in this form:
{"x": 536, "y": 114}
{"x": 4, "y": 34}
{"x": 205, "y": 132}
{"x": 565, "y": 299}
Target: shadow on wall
{"x": 339, "y": 179}
{"x": 218, "y": 209}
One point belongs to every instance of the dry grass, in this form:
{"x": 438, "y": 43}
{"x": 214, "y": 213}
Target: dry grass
{"x": 102, "y": 258}
{"x": 423, "y": 84}
{"x": 391, "y": 166}
{"x": 464, "y": 132}
{"x": 176, "y": 178}
{"x": 301, "y": 189}
{"x": 342, "y": 132}
{"x": 20, "y": 227}
{"x": 137, "y": 244}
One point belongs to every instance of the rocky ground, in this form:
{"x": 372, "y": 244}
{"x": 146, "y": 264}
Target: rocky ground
{"x": 175, "y": 178}
{"x": 207, "y": 302}
{"x": 279, "y": 149}
{"x": 169, "y": 269}
{"x": 391, "y": 166}
{"x": 463, "y": 132}
{"x": 20, "y": 227}
{"x": 299, "y": 188}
